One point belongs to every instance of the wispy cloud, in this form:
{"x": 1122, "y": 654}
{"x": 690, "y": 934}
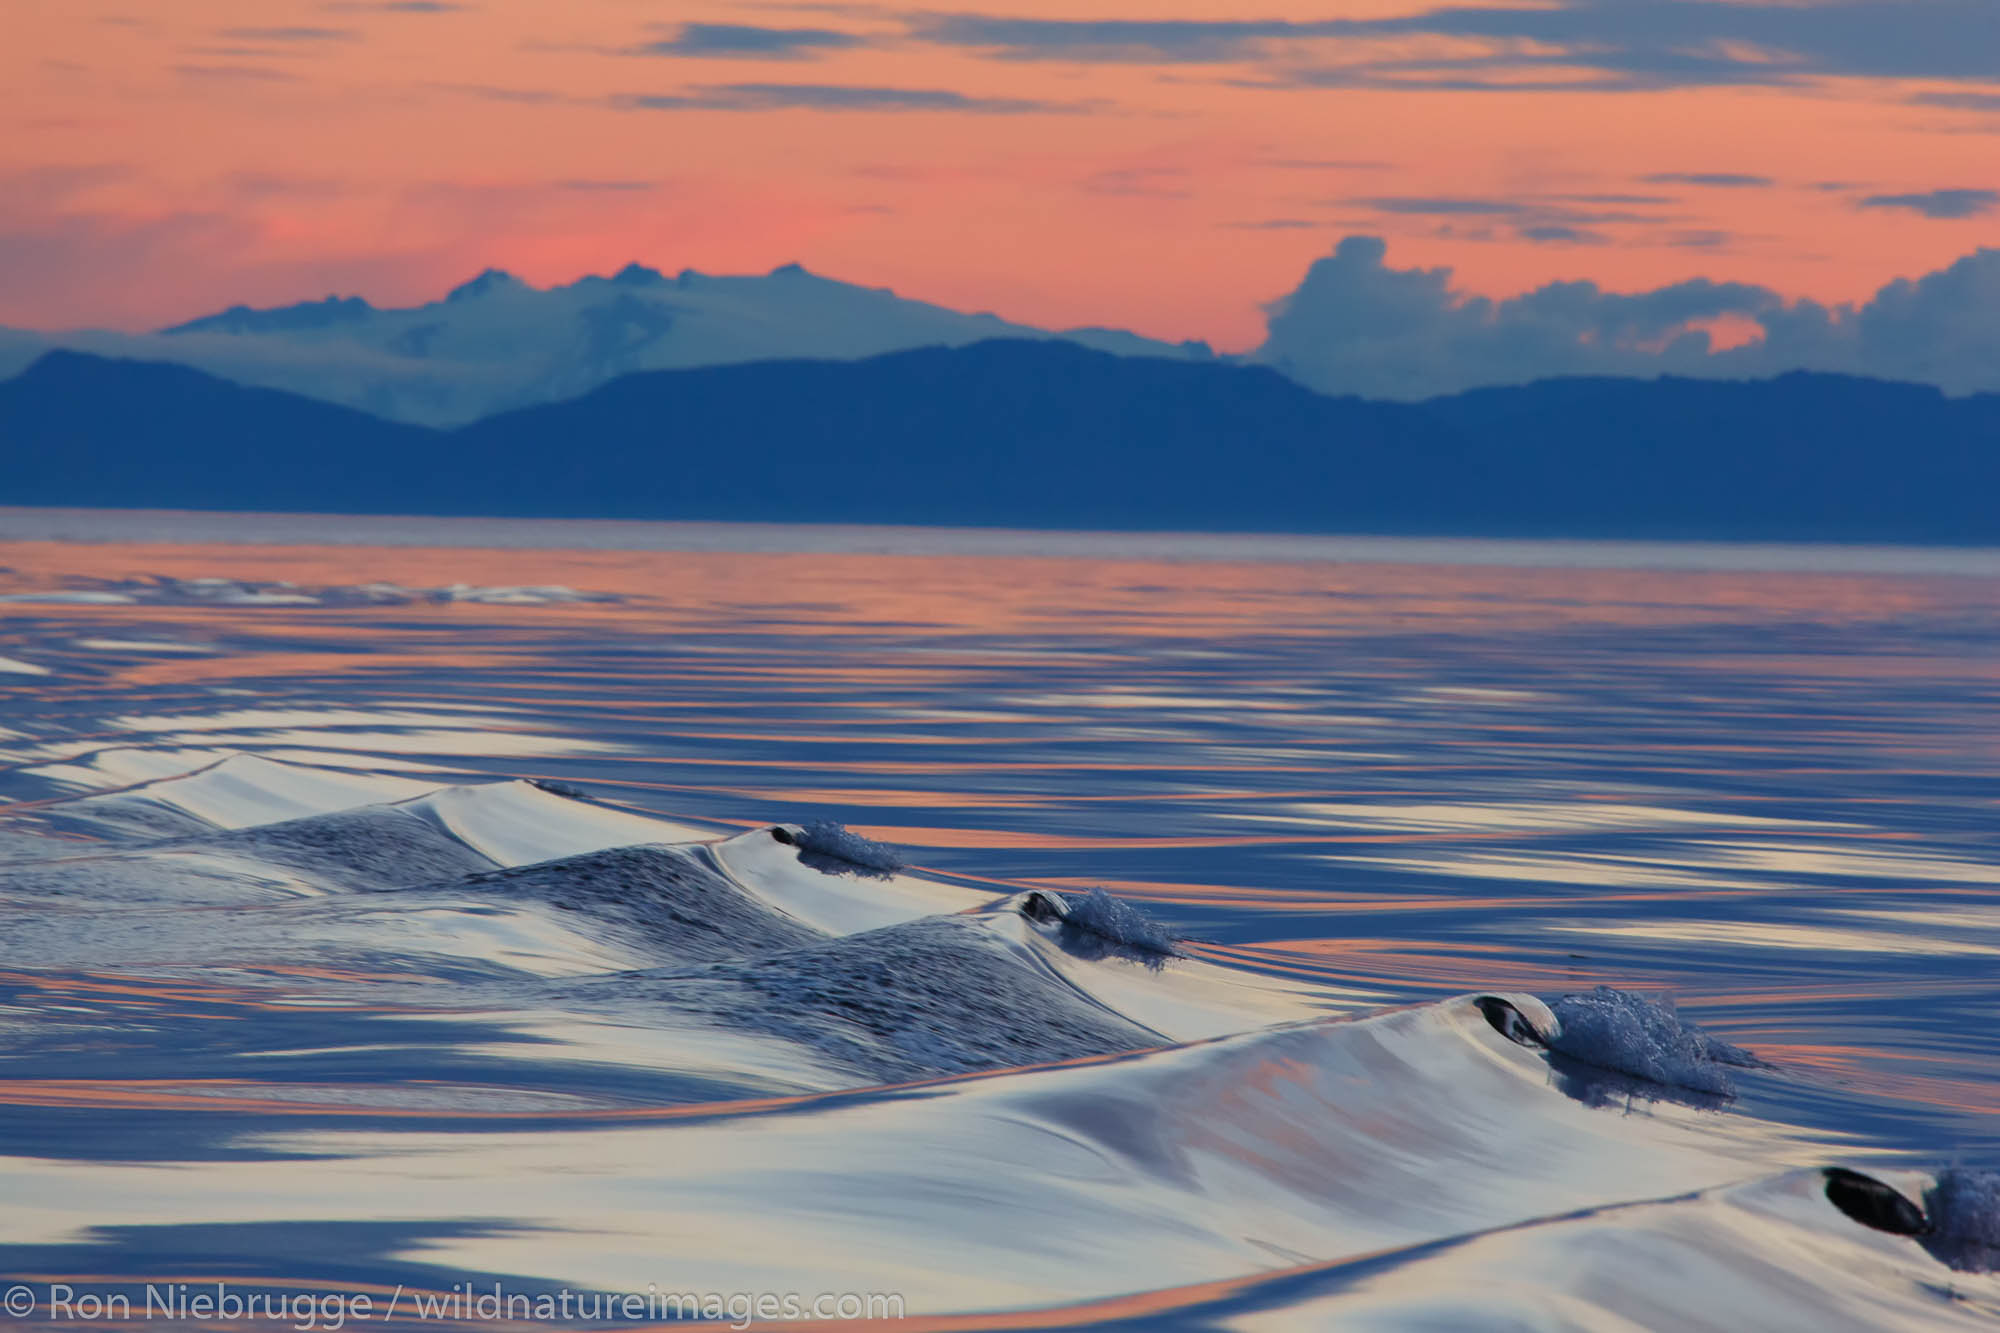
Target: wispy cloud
{"x": 1323, "y": 164}
{"x": 834, "y": 97}
{"x": 737, "y": 41}
{"x": 394, "y": 7}
{"x": 1968, "y": 101}
{"x": 106, "y": 261}
{"x": 251, "y": 187}
{"x": 1613, "y": 198}
{"x": 1139, "y": 41}
{"x": 1433, "y": 206}
{"x": 1141, "y": 182}
{"x": 206, "y": 54}
{"x": 51, "y": 186}
{"x": 608, "y": 186}
{"x": 295, "y": 34}
{"x": 1942, "y": 204}
{"x": 236, "y": 73}
{"x": 493, "y": 92}
{"x": 1561, "y": 235}
{"x": 1725, "y": 180}
{"x": 1540, "y": 219}
{"x": 849, "y": 8}
{"x": 1273, "y": 224}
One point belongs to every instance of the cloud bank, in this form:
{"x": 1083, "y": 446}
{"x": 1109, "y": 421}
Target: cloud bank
{"x": 1939, "y": 203}
{"x": 1509, "y": 45}
{"x": 1495, "y": 45}
{"x": 1357, "y": 326}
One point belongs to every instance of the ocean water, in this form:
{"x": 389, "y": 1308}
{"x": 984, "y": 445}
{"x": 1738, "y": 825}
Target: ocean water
{"x": 408, "y": 917}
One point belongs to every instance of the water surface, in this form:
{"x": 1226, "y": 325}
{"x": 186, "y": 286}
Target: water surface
{"x": 1351, "y": 776}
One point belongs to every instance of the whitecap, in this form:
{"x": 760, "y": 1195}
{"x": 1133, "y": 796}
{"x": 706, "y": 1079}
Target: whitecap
{"x": 1629, "y": 1034}
{"x": 1964, "y": 1210}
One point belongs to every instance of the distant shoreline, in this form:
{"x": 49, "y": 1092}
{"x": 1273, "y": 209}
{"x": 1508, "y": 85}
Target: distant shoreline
{"x": 180, "y": 527}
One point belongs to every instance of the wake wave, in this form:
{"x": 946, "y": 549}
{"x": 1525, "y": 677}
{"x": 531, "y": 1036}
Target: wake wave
{"x": 976, "y": 1101}
{"x": 675, "y": 901}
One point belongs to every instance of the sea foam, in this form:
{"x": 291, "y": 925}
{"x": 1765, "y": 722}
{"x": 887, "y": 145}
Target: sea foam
{"x": 1629, "y": 1034}
{"x": 1125, "y": 928}
{"x": 839, "y": 850}
{"x": 1964, "y": 1209}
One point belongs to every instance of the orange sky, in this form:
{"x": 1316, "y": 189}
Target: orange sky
{"x": 160, "y": 161}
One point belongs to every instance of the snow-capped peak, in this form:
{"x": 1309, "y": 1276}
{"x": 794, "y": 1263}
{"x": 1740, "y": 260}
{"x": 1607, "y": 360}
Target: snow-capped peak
{"x": 496, "y": 343}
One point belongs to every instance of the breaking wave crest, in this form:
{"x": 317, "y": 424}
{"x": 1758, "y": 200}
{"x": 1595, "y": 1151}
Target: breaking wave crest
{"x": 1629, "y": 1034}
{"x": 839, "y": 850}
{"x": 1121, "y": 927}
{"x": 1964, "y": 1210}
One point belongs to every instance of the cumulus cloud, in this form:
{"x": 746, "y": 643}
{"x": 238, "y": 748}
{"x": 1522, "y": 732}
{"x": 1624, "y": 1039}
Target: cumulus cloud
{"x": 1939, "y": 203}
{"x": 1357, "y": 326}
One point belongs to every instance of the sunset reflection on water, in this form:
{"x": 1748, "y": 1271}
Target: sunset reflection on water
{"x": 1770, "y": 794}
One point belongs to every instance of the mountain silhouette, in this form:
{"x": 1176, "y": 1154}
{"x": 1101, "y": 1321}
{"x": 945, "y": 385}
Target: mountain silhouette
{"x": 1045, "y": 434}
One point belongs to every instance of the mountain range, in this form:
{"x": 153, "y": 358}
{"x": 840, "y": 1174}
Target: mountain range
{"x": 1043, "y": 433}
{"x": 495, "y": 343}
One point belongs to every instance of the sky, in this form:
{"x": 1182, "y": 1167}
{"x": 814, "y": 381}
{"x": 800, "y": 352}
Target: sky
{"x": 1168, "y": 166}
